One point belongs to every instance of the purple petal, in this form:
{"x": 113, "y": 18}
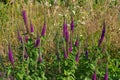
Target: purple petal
{"x": 72, "y": 25}
{"x": 94, "y": 77}
{"x": 37, "y": 42}
{"x": 43, "y": 30}
{"x": 102, "y": 35}
{"x": 77, "y": 57}
{"x": 76, "y": 42}
{"x": 40, "y": 59}
{"x": 26, "y": 38}
{"x": 25, "y": 19}
{"x": 31, "y": 27}
{"x": 19, "y": 37}
{"x": 10, "y": 55}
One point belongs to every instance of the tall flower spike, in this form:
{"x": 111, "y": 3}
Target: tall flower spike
{"x": 67, "y": 36}
{"x": 94, "y": 77}
{"x": 44, "y": 30}
{"x": 76, "y": 42}
{"x": 77, "y": 57}
{"x": 19, "y": 36}
{"x": 25, "y": 19}
{"x": 26, "y": 38}
{"x": 106, "y": 74}
{"x": 72, "y": 25}
{"x": 10, "y": 54}
{"x": 103, "y": 34}
{"x": 64, "y": 28}
{"x": 31, "y": 27}
{"x": 37, "y": 42}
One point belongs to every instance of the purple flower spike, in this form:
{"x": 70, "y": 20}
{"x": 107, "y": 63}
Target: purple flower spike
{"x": 94, "y": 77}
{"x": 10, "y": 55}
{"x": 103, "y": 34}
{"x": 67, "y": 36}
{"x": 31, "y": 27}
{"x": 106, "y": 74}
{"x": 65, "y": 54}
{"x": 70, "y": 48}
{"x": 26, "y": 38}
{"x": 76, "y": 42}
{"x": 43, "y": 30}
{"x": 77, "y": 57}
{"x": 72, "y": 25}
{"x": 19, "y": 37}
{"x": 64, "y": 29}
{"x": 25, "y": 19}
{"x": 37, "y": 42}
{"x": 40, "y": 59}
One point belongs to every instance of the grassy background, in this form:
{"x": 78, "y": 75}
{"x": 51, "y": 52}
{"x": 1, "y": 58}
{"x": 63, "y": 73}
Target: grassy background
{"x": 88, "y": 16}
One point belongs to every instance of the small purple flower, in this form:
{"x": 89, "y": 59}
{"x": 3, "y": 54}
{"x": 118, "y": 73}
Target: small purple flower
{"x": 26, "y": 38}
{"x": 94, "y": 77}
{"x": 31, "y": 27}
{"x": 76, "y": 42}
{"x": 19, "y": 36}
{"x": 77, "y": 57}
{"x": 103, "y": 34}
{"x": 40, "y": 59}
{"x": 44, "y": 30}
{"x": 72, "y": 25}
{"x": 10, "y": 55}
{"x": 70, "y": 48}
{"x": 65, "y": 54}
{"x": 25, "y": 19}
{"x": 106, "y": 74}
{"x": 37, "y": 42}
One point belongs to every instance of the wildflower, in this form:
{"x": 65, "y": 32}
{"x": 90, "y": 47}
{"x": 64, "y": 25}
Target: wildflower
{"x": 77, "y": 57}
{"x": 19, "y": 36}
{"x": 106, "y": 74}
{"x": 103, "y": 34}
{"x": 31, "y": 27}
{"x": 37, "y": 42}
{"x": 94, "y": 77}
{"x": 10, "y": 55}
{"x": 64, "y": 29}
{"x": 76, "y": 42}
{"x": 67, "y": 36}
{"x": 25, "y": 19}
{"x": 26, "y": 38}
{"x": 72, "y": 25}
{"x": 40, "y": 59}
{"x": 44, "y": 30}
